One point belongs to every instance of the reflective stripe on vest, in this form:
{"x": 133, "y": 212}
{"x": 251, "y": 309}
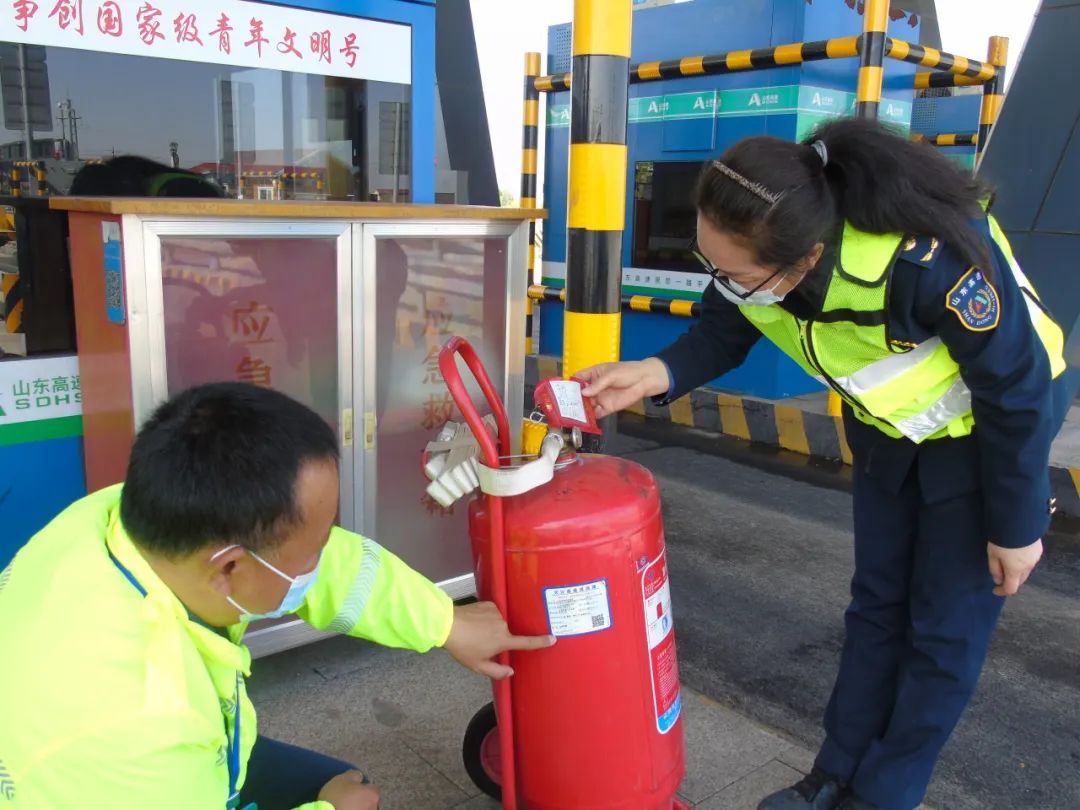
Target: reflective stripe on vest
{"x": 1051, "y": 335}
{"x": 918, "y": 393}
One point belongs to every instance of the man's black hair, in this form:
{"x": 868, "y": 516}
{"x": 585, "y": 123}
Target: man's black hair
{"x": 219, "y": 463}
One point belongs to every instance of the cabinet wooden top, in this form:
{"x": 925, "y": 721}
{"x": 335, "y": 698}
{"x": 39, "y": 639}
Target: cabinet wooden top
{"x": 286, "y": 209}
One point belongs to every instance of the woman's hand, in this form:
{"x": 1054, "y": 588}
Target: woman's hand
{"x": 615, "y": 386}
{"x": 1010, "y": 567}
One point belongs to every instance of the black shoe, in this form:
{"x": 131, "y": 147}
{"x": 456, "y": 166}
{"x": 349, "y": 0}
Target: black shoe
{"x": 816, "y": 791}
{"x": 855, "y": 803}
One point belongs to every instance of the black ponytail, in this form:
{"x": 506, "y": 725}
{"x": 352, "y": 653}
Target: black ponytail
{"x": 878, "y": 181}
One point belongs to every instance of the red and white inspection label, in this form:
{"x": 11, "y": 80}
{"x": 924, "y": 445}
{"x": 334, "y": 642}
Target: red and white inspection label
{"x": 568, "y": 399}
{"x": 577, "y": 610}
{"x": 660, "y": 633}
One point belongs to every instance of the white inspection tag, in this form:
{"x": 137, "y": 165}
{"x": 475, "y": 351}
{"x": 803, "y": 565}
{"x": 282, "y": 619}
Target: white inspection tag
{"x": 568, "y": 399}
{"x": 577, "y": 610}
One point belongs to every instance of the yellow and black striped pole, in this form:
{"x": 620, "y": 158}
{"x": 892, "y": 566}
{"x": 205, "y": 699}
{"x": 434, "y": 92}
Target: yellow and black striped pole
{"x": 718, "y": 64}
{"x": 42, "y": 182}
{"x": 998, "y": 56}
{"x": 934, "y": 79}
{"x": 13, "y": 302}
{"x": 794, "y": 53}
{"x": 530, "y": 127}
{"x": 967, "y": 71}
{"x": 948, "y": 138}
{"x": 16, "y": 181}
{"x": 678, "y": 307}
{"x": 872, "y": 58}
{"x": 596, "y": 200}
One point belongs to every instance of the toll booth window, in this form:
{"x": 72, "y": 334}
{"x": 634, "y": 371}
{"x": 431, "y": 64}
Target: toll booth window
{"x": 664, "y": 217}
{"x": 248, "y": 132}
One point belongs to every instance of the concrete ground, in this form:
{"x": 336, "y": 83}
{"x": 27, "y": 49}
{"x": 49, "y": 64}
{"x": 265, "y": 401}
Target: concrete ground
{"x": 400, "y": 717}
{"x": 759, "y": 567}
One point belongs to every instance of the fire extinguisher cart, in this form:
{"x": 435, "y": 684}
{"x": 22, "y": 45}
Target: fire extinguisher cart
{"x": 572, "y": 545}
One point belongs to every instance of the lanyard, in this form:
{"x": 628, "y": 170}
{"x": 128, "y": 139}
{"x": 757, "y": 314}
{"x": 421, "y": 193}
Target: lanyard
{"x": 233, "y": 741}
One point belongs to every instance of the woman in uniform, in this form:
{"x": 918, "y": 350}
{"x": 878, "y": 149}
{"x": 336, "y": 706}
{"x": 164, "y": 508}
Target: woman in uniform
{"x": 872, "y": 262}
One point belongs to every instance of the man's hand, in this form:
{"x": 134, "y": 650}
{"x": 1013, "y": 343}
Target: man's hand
{"x": 479, "y": 633}
{"x": 615, "y": 386}
{"x": 347, "y": 791}
{"x": 1010, "y": 567}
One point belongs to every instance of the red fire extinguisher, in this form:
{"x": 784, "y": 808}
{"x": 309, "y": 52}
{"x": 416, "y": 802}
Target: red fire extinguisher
{"x": 595, "y": 721}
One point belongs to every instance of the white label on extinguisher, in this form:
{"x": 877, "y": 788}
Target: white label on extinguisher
{"x": 660, "y": 633}
{"x": 568, "y": 399}
{"x": 576, "y": 610}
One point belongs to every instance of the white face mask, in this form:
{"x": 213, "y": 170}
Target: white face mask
{"x": 734, "y": 293}
{"x": 294, "y": 597}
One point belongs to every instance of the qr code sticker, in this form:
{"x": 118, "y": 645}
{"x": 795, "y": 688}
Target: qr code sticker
{"x": 114, "y": 292}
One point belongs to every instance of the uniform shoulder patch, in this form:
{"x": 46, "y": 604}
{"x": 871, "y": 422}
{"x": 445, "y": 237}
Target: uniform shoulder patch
{"x": 921, "y": 250}
{"x": 975, "y": 302}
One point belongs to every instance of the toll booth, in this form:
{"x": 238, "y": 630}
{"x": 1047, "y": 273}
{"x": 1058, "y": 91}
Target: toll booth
{"x": 676, "y": 124}
{"x": 309, "y": 101}
{"x": 342, "y": 306}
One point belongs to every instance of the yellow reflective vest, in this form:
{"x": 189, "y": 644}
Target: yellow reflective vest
{"x": 916, "y": 392}
{"x": 113, "y": 697}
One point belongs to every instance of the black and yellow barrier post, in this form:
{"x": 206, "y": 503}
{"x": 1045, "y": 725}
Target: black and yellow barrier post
{"x": 948, "y": 138}
{"x": 872, "y": 58}
{"x": 596, "y": 199}
{"x": 530, "y": 139}
{"x": 16, "y": 181}
{"x": 998, "y": 56}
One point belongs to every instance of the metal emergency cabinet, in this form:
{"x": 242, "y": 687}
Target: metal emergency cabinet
{"x": 342, "y": 306}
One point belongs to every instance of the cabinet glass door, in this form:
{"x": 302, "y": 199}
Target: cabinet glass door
{"x": 270, "y": 310}
{"x": 424, "y": 284}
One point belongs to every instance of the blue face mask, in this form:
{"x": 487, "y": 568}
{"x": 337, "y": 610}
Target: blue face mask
{"x": 294, "y": 597}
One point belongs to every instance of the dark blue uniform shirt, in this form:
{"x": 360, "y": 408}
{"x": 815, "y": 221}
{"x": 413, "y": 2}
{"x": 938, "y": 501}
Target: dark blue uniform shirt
{"x": 1018, "y": 408}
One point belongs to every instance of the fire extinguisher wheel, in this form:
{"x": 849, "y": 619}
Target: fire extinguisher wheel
{"x": 480, "y": 752}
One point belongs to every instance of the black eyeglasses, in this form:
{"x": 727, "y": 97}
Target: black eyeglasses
{"x": 719, "y": 277}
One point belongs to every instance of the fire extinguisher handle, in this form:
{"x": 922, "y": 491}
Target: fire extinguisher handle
{"x": 448, "y": 367}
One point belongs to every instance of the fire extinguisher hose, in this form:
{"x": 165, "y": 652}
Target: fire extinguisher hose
{"x": 491, "y": 458}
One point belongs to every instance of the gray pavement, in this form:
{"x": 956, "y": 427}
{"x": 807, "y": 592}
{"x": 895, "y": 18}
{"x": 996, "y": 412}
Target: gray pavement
{"x": 759, "y": 592}
{"x": 759, "y": 565}
{"x": 400, "y": 717}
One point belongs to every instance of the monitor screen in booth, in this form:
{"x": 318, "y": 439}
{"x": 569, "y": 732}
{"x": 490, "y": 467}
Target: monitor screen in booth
{"x": 664, "y": 217}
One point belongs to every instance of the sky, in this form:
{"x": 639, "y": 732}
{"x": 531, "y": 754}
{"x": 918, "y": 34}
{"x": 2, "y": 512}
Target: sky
{"x": 507, "y": 29}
